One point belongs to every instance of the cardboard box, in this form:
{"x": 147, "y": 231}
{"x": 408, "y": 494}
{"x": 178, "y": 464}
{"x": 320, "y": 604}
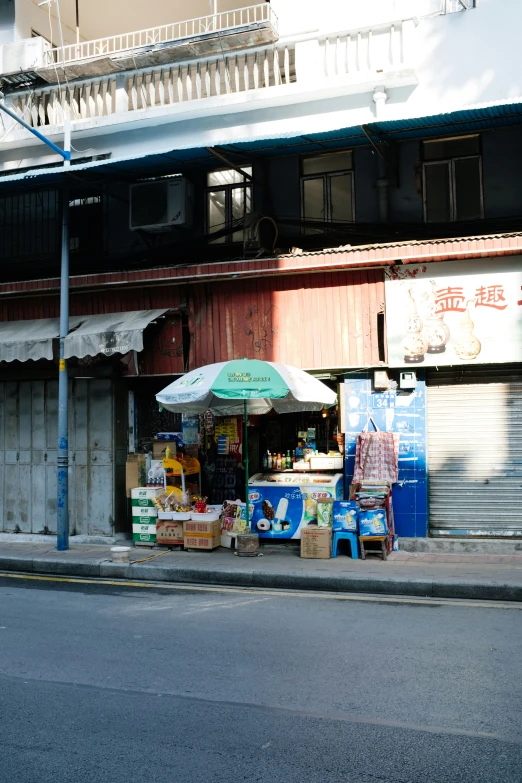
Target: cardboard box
{"x": 159, "y": 446}
{"x": 316, "y": 542}
{"x": 143, "y": 511}
{"x": 193, "y": 541}
{"x": 145, "y": 493}
{"x": 135, "y": 472}
{"x": 201, "y": 535}
{"x": 169, "y": 532}
{"x": 202, "y": 527}
{"x": 143, "y": 533}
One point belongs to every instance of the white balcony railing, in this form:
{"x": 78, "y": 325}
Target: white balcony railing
{"x": 177, "y": 31}
{"x": 155, "y": 87}
{"x": 352, "y": 61}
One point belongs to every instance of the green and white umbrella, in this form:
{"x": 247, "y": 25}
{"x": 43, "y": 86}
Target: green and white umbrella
{"x": 246, "y": 386}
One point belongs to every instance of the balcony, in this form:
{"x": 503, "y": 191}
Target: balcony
{"x": 149, "y": 79}
{"x": 206, "y": 36}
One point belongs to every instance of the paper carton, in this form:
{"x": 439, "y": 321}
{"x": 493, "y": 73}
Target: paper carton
{"x": 169, "y": 532}
{"x": 135, "y": 472}
{"x": 316, "y": 542}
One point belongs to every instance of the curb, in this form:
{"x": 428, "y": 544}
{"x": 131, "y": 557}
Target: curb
{"x": 423, "y": 588}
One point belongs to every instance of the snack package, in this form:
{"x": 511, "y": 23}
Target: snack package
{"x": 325, "y": 512}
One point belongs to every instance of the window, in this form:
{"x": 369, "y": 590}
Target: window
{"x": 452, "y": 177}
{"x": 86, "y": 225}
{"x": 327, "y": 190}
{"x": 229, "y": 199}
{"x": 453, "y": 6}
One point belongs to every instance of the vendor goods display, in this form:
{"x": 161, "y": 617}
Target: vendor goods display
{"x": 345, "y": 515}
{"x": 144, "y": 515}
{"x": 202, "y": 535}
{"x": 325, "y": 512}
{"x": 376, "y": 456}
{"x": 372, "y": 522}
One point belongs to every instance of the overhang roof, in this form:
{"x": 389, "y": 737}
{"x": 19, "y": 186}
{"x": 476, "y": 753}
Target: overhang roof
{"x": 157, "y": 164}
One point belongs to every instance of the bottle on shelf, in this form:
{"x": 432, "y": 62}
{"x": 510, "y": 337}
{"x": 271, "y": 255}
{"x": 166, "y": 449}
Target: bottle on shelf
{"x": 265, "y": 460}
{"x": 293, "y": 458}
{"x": 270, "y": 461}
{"x": 288, "y": 460}
{"x": 278, "y": 462}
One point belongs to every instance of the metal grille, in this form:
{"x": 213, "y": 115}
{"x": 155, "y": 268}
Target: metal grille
{"x": 29, "y": 225}
{"x": 475, "y": 452}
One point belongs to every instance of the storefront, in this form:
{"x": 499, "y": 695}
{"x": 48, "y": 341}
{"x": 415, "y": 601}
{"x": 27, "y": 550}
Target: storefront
{"x": 103, "y": 351}
{"x": 475, "y": 451}
{"x": 458, "y": 325}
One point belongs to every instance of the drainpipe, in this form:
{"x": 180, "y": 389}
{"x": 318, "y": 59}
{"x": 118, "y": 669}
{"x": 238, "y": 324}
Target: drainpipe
{"x": 380, "y": 98}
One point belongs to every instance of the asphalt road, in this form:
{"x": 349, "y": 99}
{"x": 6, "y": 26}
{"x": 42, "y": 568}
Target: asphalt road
{"x": 114, "y": 684}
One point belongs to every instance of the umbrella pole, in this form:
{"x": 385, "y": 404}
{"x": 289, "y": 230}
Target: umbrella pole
{"x": 247, "y": 508}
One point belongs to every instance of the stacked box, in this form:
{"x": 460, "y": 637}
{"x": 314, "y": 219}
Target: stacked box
{"x": 169, "y": 532}
{"x": 144, "y": 514}
{"x": 201, "y": 535}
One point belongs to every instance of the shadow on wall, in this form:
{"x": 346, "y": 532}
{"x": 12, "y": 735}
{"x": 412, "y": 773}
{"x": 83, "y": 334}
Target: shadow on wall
{"x": 470, "y": 57}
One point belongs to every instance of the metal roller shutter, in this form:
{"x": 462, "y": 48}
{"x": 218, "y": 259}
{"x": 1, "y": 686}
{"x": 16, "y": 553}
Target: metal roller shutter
{"x": 475, "y": 451}
{"x": 28, "y": 454}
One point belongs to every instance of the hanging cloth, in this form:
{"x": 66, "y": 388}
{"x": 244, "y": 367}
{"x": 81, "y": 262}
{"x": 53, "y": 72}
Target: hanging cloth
{"x": 376, "y": 456}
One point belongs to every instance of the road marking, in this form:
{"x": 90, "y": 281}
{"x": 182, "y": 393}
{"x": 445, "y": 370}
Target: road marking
{"x": 181, "y": 586}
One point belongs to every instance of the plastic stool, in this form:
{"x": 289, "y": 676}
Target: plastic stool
{"x": 352, "y": 538}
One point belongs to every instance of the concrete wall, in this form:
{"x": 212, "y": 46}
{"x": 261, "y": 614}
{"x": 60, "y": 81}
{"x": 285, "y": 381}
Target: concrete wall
{"x": 7, "y": 21}
{"x": 43, "y": 20}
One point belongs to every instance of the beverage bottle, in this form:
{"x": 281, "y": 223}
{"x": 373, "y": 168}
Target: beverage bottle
{"x": 265, "y": 460}
{"x": 288, "y": 460}
{"x": 269, "y": 461}
{"x": 150, "y": 478}
{"x": 293, "y": 458}
{"x": 278, "y": 462}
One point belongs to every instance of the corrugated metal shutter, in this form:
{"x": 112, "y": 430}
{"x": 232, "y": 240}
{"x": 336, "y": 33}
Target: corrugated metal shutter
{"x": 28, "y": 456}
{"x": 475, "y": 451}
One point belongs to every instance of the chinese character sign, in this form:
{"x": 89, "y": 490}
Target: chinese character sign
{"x": 455, "y": 312}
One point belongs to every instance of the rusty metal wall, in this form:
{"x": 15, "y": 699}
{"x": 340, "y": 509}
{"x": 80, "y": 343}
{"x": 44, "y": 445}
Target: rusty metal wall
{"x": 163, "y": 354}
{"x": 320, "y": 320}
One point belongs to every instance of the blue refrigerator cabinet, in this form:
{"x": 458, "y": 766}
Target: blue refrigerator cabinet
{"x": 284, "y": 503}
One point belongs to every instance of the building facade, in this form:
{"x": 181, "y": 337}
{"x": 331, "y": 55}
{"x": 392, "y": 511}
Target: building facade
{"x": 339, "y": 190}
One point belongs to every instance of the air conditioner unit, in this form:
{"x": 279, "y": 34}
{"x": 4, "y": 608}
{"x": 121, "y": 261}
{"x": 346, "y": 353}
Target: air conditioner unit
{"x": 26, "y": 55}
{"x": 161, "y": 204}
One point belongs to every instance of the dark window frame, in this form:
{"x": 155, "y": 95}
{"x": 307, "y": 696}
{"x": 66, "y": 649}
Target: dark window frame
{"x": 247, "y": 186}
{"x": 327, "y": 177}
{"x": 450, "y": 161}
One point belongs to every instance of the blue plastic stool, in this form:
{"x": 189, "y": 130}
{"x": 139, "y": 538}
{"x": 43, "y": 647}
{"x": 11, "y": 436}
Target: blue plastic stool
{"x": 352, "y": 538}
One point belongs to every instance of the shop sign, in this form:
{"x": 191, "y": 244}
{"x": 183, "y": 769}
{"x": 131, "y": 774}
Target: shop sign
{"x": 454, "y": 312}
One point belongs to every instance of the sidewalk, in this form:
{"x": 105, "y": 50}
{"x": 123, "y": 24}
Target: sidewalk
{"x": 485, "y": 577}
